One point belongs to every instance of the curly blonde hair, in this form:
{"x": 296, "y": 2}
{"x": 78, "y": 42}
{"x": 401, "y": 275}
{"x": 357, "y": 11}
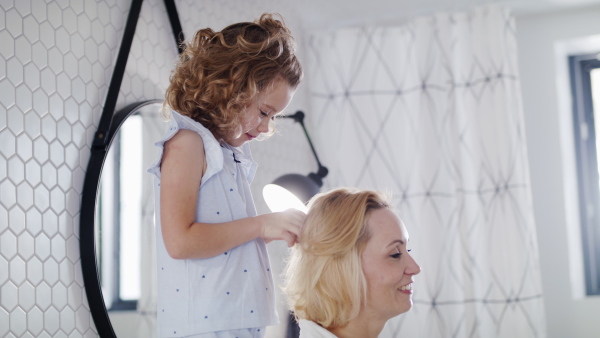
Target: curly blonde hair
{"x": 324, "y": 279}
{"x": 220, "y": 73}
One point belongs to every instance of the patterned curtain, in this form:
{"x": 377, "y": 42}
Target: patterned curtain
{"x": 431, "y": 111}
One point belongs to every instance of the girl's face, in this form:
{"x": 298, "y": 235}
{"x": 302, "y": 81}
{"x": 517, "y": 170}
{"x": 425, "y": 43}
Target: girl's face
{"x": 258, "y": 114}
{"x": 388, "y": 266}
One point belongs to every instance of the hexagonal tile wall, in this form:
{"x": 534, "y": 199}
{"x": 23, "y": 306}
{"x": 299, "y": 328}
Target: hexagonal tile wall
{"x": 56, "y": 61}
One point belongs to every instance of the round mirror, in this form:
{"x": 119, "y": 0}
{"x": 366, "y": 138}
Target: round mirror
{"x": 117, "y": 240}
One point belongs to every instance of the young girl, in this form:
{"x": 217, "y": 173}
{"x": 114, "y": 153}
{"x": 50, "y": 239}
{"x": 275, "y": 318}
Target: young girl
{"x": 214, "y": 277}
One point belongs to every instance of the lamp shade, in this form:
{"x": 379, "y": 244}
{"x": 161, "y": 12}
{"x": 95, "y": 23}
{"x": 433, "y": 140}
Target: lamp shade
{"x": 290, "y": 191}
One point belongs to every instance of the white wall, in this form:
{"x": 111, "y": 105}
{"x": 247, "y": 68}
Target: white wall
{"x": 547, "y": 117}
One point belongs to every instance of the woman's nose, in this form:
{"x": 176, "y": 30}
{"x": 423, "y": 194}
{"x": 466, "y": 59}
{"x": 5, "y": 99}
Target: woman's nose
{"x": 413, "y": 268}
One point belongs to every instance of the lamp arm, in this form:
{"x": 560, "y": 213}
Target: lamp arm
{"x": 299, "y": 117}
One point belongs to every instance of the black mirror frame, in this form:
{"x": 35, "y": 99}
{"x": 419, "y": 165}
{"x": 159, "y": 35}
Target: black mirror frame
{"x": 107, "y": 129}
{"x": 87, "y": 245}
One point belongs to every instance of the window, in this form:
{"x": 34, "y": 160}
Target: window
{"x": 585, "y": 85}
{"x": 119, "y": 218}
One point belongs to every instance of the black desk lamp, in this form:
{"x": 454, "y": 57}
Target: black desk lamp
{"x": 295, "y": 190}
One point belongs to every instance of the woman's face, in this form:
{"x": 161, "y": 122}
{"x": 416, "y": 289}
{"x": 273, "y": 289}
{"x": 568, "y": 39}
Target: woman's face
{"x": 388, "y": 266}
{"x": 258, "y": 114}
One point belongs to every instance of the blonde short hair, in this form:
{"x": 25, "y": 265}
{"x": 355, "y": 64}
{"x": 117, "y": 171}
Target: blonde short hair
{"x": 324, "y": 279}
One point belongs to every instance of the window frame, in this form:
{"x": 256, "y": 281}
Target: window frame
{"x": 587, "y": 166}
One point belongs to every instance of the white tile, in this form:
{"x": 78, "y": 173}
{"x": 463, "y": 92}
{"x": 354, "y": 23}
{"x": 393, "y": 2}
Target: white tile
{"x": 3, "y": 270}
{"x": 67, "y": 320}
{"x": 40, "y": 103}
{"x": 17, "y": 270}
{"x": 26, "y": 245}
{"x": 73, "y": 249}
{"x": 73, "y": 202}
{"x": 82, "y": 319}
{"x": 48, "y": 175}
{"x": 70, "y": 63}
{"x": 57, "y": 152}
{"x": 7, "y": 143}
{"x": 48, "y": 130}
{"x": 78, "y": 178}
{"x": 33, "y": 217}
{"x": 50, "y": 223}
{"x": 32, "y": 77}
{"x": 24, "y": 197}
{"x": 59, "y": 251}
{"x": 23, "y": 49}
{"x": 7, "y": 93}
{"x": 78, "y": 45}
{"x": 78, "y": 90}
{"x": 54, "y": 15}
{"x": 57, "y": 200}
{"x": 71, "y": 158}
{"x": 24, "y": 147}
{"x": 18, "y": 322}
{"x": 55, "y": 59}
{"x": 35, "y": 272}
{"x": 70, "y": 20}
{"x": 63, "y": 84}
{"x": 50, "y": 271}
{"x": 59, "y": 296}
{"x": 4, "y": 322}
{"x": 31, "y": 28}
{"x": 14, "y": 71}
{"x": 38, "y": 10}
{"x": 47, "y": 34}
{"x": 26, "y": 296}
{"x": 14, "y": 22}
{"x": 71, "y": 106}
{"x": 3, "y": 222}
{"x": 64, "y": 177}
{"x": 47, "y": 79}
{"x": 35, "y": 321}
{"x": 51, "y": 321}
{"x": 32, "y": 125}
{"x": 103, "y": 13}
{"x": 7, "y": 46}
{"x": 85, "y": 70}
{"x": 33, "y": 172}
{"x": 15, "y": 120}
{"x": 8, "y": 296}
{"x": 43, "y": 296}
{"x": 42, "y": 246}
{"x": 24, "y": 98}
{"x": 16, "y": 170}
{"x": 23, "y": 7}
{"x": 41, "y": 198}
{"x": 8, "y": 194}
{"x": 63, "y": 128}
{"x": 8, "y": 245}
{"x": 75, "y": 296}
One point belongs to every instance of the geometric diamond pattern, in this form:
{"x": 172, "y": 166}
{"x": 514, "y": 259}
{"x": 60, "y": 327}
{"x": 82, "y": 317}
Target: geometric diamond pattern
{"x": 431, "y": 112}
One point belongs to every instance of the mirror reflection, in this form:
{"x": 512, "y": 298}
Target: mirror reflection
{"x": 125, "y": 240}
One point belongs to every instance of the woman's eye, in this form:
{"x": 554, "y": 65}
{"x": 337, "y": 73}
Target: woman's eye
{"x": 396, "y": 255}
{"x": 409, "y": 250}
{"x": 263, "y": 114}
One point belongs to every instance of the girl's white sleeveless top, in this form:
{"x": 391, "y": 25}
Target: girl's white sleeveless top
{"x": 233, "y": 290}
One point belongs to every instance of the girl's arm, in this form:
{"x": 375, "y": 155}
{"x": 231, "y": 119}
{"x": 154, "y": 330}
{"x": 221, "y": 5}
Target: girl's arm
{"x": 183, "y": 165}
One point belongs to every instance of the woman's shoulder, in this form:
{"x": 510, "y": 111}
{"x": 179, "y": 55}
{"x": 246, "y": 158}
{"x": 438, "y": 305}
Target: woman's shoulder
{"x": 310, "y": 329}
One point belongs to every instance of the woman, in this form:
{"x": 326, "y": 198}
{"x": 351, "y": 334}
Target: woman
{"x": 350, "y": 270}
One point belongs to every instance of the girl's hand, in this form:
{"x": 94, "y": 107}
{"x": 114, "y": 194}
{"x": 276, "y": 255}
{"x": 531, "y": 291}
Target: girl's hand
{"x": 284, "y": 225}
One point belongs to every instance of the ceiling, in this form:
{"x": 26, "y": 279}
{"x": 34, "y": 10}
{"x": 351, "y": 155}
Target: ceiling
{"x": 319, "y": 14}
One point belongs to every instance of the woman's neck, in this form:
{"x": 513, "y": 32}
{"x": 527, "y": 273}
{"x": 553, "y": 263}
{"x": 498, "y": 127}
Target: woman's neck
{"x": 361, "y": 326}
